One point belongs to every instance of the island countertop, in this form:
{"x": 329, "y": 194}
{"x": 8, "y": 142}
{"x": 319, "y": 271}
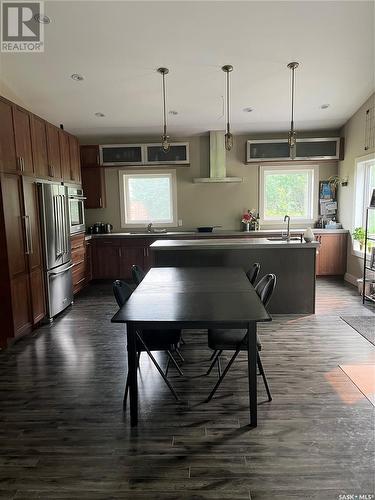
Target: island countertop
{"x": 234, "y": 243}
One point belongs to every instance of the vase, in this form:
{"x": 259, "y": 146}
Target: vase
{"x": 246, "y": 226}
{"x": 308, "y": 235}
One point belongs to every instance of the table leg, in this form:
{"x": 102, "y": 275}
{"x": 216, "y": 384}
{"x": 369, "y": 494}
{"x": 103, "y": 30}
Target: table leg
{"x": 132, "y": 372}
{"x": 252, "y": 372}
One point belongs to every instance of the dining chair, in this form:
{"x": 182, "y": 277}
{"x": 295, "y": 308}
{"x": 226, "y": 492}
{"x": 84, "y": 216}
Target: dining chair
{"x": 150, "y": 340}
{"x": 236, "y": 339}
{"x": 138, "y": 274}
{"x": 253, "y": 273}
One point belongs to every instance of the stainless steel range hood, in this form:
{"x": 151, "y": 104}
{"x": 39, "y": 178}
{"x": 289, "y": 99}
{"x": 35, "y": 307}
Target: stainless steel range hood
{"x": 218, "y": 169}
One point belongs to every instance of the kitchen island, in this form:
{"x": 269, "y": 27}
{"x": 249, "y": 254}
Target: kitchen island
{"x": 293, "y": 262}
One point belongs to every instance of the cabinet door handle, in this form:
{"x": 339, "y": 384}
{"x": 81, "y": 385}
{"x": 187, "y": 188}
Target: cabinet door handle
{"x": 19, "y": 164}
{"x": 22, "y": 164}
{"x": 27, "y": 234}
{"x": 100, "y": 202}
{"x": 119, "y": 252}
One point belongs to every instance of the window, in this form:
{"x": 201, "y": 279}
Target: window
{"x": 364, "y": 185}
{"x": 290, "y": 190}
{"x": 148, "y": 197}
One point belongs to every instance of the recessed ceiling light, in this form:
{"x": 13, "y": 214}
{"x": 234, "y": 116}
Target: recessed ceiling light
{"x": 248, "y": 110}
{"x": 324, "y": 106}
{"x": 77, "y": 77}
{"x": 42, "y": 19}
{"x": 99, "y": 114}
{"x": 173, "y": 112}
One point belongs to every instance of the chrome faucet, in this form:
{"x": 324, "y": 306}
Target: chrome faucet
{"x": 287, "y": 218}
{"x": 149, "y": 228}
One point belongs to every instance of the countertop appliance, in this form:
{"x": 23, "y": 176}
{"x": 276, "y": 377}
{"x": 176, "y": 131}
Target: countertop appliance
{"x": 54, "y": 207}
{"x": 76, "y": 210}
{"x": 100, "y": 228}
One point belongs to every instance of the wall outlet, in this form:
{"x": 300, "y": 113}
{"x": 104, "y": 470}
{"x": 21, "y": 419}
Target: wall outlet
{"x": 179, "y": 222}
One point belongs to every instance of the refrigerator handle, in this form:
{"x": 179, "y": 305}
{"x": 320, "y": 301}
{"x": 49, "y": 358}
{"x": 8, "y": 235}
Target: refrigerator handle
{"x": 56, "y": 223}
{"x": 65, "y": 221}
{"x": 63, "y": 231}
{"x": 61, "y": 272}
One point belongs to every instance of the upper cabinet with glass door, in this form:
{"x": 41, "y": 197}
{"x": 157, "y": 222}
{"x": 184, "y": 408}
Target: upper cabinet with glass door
{"x": 143, "y": 154}
{"x": 121, "y": 154}
{"x": 329, "y": 148}
{"x": 177, "y": 154}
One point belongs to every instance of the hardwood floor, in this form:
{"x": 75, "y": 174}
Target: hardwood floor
{"x": 63, "y": 434}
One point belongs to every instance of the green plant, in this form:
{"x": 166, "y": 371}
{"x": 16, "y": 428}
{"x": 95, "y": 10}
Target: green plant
{"x": 359, "y": 235}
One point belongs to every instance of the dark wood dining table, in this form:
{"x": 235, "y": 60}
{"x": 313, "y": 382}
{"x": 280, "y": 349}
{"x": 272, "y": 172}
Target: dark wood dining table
{"x": 194, "y": 298}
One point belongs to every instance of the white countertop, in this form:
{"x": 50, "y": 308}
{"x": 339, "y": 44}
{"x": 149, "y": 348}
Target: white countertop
{"x": 234, "y": 243}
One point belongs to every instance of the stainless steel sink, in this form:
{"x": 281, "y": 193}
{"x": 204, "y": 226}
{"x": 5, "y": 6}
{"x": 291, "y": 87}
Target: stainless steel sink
{"x": 278, "y": 238}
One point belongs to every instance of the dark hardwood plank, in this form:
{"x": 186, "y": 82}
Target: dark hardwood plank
{"x": 63, "y": 434}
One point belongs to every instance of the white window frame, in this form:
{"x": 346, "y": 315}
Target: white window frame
{"x": 360, "y": 203}
{"x": 313, "y": 192}
{"x": 125, "y": 174}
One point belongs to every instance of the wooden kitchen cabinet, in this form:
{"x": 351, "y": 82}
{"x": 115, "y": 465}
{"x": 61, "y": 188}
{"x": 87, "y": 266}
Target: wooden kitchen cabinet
{"x": 22, "y": 135}
{"x": 14, "y": 224}
{"x": 77, "y": 242}
{"x": 39, "y": 146}
{"x": 8, "y": 159}
{"x": 64, "y": 155}
{"x": 93, "y": 185}
{"x": 17, "y": 284}
{"x": 112, "y": 258}
{"x": 90, "y": 156}
{"x": 106, "y": 260}
{"x": 331, "y": 255}
{"x": 21, "y": 267}
{"x": 34, "y": 249}
{"x": 88, "y": 275}
{"x": 75, "y": 164}
{"x": 130, "y": 255}
{"x": 53, "y": 147}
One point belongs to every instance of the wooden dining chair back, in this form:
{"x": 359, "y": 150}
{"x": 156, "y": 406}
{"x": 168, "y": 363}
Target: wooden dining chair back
{"x": 253, "y": 273}
{"x": 150, "y": 340}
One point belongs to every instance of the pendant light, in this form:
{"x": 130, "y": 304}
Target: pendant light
{"x": 165, "y": 144}
{"x": 228, "y": 136}
{"x": 292, "y": 141}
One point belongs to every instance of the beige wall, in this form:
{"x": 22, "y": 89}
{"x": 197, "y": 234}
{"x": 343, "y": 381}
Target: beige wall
{"x": 200, "y": 204}
{"x": 354, "y": 133}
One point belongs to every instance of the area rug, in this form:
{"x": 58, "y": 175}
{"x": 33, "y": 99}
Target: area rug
{"x": 365, "y": 325}
{"x": 363, "y": 377}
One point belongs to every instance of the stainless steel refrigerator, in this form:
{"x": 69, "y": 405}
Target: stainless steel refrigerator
{"x": 54, "y": 204}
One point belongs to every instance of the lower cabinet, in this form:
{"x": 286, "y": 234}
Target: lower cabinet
{"x": 21, "y": 305}
{"x": 80, "y": 260}
{"x": 37, "y": 295}
{"x": 113, "y": 258}
{"x": 331, "y": 255}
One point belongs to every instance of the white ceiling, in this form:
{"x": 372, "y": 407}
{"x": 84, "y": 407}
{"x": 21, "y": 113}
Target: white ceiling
{"x": 117, "y": 46}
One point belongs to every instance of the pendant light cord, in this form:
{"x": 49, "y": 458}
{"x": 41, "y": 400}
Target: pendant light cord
{"x": 293, "y": 91}
{"x": 164, "y": 107}
{"x": 228, "y": 107}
